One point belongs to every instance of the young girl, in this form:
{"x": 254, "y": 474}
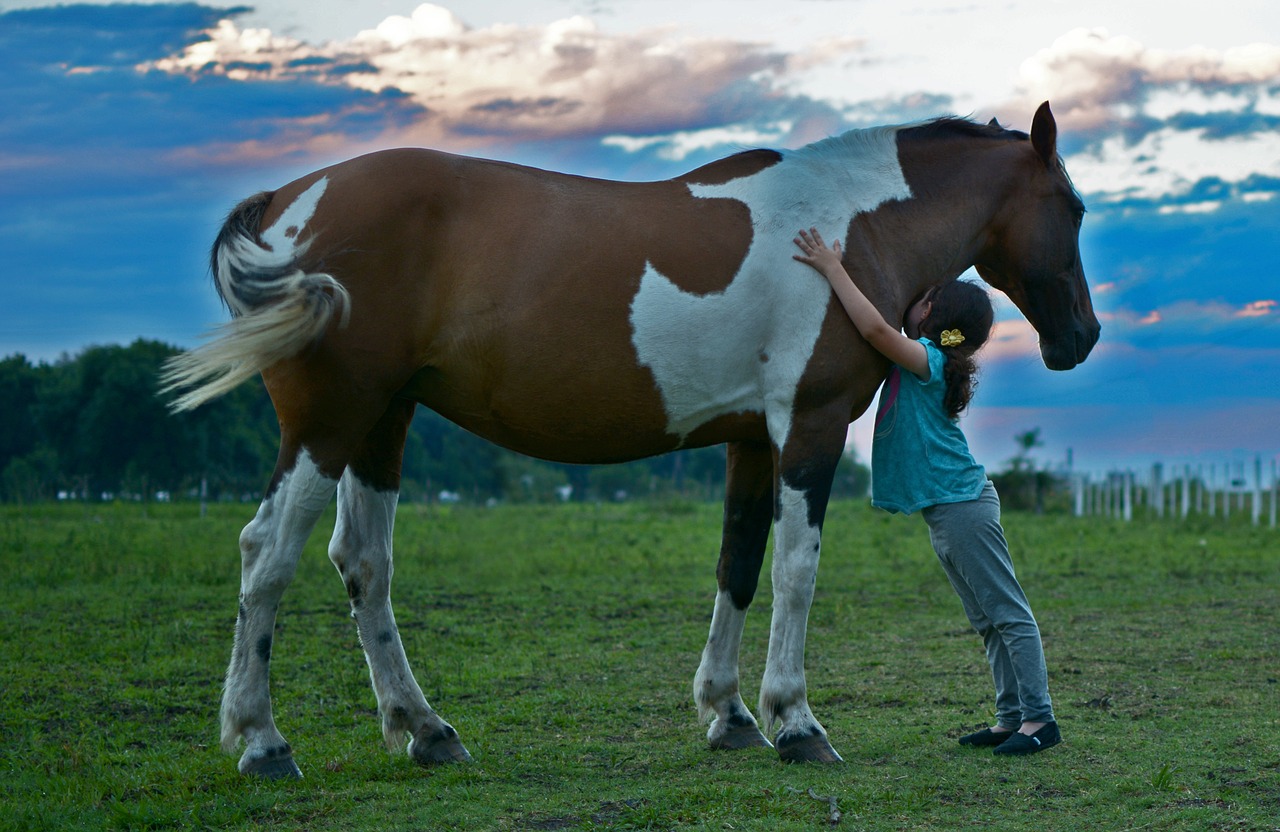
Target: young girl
{"x": 920, "y": 461}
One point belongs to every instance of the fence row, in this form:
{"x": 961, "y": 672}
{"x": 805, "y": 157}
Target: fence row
{"x": 1233, "y": 489}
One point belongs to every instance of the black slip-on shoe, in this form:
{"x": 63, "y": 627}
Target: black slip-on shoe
{"x": 1023, "y": 744}
{"x": 986, "y": 737}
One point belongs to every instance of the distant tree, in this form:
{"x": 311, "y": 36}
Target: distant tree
{"x": 440, "y": 456}
{"x": 18, "y": 384}
{"x": 1024, "y": 486}
{"x": 853, "y": 477}
{"x": 93, "y": 424}
{"x": 231, "y": 443}
{"x": 27, "y": 465}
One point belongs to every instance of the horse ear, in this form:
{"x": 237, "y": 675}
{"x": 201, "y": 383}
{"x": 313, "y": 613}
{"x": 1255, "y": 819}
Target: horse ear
{"x": 1044, "y": 134}
{"x": 993, "y": 122}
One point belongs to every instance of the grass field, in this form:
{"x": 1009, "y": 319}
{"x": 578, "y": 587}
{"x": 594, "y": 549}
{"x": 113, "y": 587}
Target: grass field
{"x": 562, "y": 641}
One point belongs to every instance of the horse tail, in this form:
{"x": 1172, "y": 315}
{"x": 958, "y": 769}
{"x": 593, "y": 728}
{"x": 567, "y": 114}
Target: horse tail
{"x": 277, "y": 310}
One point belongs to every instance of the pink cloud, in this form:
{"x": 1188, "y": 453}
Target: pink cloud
{"x": 1094, "y": 77}
{"x": 564, "y": 79}
{"x": 1134, "y": 433}
{"x": 1257, "y": 309}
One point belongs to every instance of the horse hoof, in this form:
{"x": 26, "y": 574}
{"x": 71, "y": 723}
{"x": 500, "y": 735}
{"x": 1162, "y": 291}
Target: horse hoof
{"x": 444, "y": 746}
{"x": 736, "y": 737}
{"x": 812, "y": 748}
{"x": 275, "y": 764}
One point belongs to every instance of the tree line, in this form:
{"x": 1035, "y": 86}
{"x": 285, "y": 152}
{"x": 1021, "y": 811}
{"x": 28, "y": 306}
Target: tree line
{"x": 92, "y": 427}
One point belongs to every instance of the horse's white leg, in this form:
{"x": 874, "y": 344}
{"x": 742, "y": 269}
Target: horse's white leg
{"x": 747, "y": 514}
{"x": 361, "y": 550}
{"x": 806, "y": 466}
{"x": 269, "y": 550}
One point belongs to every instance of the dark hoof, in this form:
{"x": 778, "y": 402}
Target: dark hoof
{"x": 430, "y": 749}
{"x": 276, "y": 764}
{"x": 738, "y": 737}
{"x": 812, "y": 748}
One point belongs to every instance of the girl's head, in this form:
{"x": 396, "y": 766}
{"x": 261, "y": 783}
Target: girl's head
{"x": 955, "y": 307}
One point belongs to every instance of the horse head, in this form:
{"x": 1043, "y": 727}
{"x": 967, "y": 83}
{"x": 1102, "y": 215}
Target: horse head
{"x": 1033, "y": 252}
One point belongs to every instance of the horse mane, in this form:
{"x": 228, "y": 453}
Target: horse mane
{"x": 951, "y": 126}
{"x": 835, "y": 148}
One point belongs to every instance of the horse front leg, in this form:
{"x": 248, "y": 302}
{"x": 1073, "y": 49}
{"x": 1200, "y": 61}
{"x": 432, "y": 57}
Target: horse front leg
{"x": 361, "y": 551}
{"x": 748, "y": 511}
{"x": 269, "y": 549}
{"x": 806, "y": 467}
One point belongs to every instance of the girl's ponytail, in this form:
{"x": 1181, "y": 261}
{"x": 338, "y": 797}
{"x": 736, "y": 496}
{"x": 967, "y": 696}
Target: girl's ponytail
{"x": 959, "y": 321}
{"x": 960, "y": 373}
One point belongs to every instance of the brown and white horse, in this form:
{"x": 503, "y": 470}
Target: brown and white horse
{"x": 593, "y": 321}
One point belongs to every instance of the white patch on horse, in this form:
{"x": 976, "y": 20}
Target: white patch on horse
{"x": 715, "y": 686}
{"x": 275, "y": 251}
{"x": 270, "y": 546}
{"x": 705, "y": 350}
{"x": 796, "y": 550}
{"x": 281, "y": 236}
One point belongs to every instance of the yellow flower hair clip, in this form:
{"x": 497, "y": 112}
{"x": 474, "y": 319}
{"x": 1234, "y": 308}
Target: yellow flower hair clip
{"x": 952, "y": 338}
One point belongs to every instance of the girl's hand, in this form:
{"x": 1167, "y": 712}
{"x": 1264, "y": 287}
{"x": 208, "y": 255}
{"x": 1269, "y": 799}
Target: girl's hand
{"x": 816, "y": 253}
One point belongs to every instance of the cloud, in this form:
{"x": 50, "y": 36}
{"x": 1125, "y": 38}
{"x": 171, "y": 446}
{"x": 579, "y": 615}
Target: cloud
{"x": 1257, "y": 309}
{"x": 1096, "y": 79}
{"x": 1132, "y": 433}
{"x": 1176, "y": 320}
{"x": 83, "y": 106}
{"x": 680, "y": 145}
{"x": 1175, "y": 167}
{"x": 1146, "y": 125}
{"x": 562, "y": 80}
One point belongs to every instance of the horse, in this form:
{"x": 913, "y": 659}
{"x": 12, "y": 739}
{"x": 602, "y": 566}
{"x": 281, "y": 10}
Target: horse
{"x": 583, "y": 320}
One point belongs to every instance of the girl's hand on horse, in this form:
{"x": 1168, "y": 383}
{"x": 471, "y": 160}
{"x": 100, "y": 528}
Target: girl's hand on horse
{"x": 817, "y": 254}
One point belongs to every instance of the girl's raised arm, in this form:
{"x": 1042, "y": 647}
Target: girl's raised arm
{"x": 888, "y": 340}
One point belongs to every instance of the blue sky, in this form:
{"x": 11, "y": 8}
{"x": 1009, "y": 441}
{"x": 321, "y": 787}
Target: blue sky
{"x": 129, "y": 130}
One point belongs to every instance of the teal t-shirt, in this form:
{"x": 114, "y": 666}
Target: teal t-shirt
{"x": 919, "y": 456}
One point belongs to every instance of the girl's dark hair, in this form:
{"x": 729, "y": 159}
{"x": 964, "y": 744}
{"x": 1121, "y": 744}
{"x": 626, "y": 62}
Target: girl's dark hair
{"x": 967, "y": 307}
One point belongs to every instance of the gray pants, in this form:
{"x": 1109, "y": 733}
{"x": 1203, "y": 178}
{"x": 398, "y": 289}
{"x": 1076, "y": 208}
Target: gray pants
{"x": 971, "y": 546}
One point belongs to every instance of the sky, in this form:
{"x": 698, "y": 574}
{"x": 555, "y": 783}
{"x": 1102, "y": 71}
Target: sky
{"x": 129, "y": 130}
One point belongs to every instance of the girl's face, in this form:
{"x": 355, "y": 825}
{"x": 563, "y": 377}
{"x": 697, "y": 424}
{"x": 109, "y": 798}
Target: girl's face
{"x": 917, "y": 313}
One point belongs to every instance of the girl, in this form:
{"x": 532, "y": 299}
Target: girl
{"x": 920, "y": 461}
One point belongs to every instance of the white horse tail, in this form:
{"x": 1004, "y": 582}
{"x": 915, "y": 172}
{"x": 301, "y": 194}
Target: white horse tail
{"x": 277, "y": 308}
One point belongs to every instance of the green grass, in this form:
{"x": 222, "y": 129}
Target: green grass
{"x": 562, "y": 642}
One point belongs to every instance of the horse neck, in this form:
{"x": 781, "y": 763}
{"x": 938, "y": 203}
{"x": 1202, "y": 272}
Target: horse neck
{"x": 957, "y": 193}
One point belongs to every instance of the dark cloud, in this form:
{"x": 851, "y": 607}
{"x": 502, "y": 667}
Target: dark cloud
{"x": 1220, "y": 125}
{"x": 113, "y": 179}
{"x": 109, "y": 36}
{"x": 79, "y": 106}
{"x": 1155, "y": 260}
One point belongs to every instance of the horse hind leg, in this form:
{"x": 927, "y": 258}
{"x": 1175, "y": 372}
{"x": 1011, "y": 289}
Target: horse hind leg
{"x": 748, "y": 512}
{"x": 361, "y": 551}
{"x": 269, "y": 547}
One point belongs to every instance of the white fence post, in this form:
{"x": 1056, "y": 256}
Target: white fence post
{"x": 1255, "y": 510}
{"x": 1189, "y": 488}
{"x": 1275, "y": 492}
{"x": 1226, "y": 491}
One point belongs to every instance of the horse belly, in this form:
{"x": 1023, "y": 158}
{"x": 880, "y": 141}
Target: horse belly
{"x": 572, "y": 389}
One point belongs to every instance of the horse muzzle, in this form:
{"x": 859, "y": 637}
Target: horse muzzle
{"x": 1072, "y": 348}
